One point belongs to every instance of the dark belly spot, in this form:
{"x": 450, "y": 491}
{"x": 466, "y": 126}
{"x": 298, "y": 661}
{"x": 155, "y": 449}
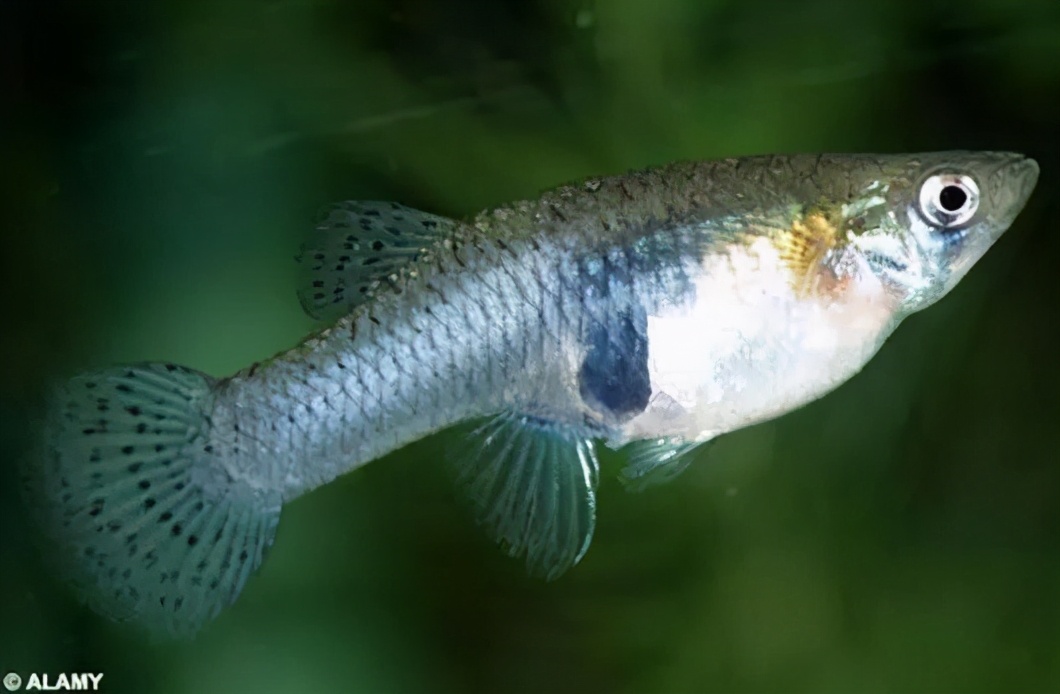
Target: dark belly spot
{"x": 613, "y": 379}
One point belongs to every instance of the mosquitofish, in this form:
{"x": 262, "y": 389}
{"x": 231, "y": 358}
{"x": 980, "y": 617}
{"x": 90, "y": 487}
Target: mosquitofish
{"x": 652, "y": 312}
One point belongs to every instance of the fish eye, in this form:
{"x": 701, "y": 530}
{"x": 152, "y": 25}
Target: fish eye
{"x": 949, "y": 200}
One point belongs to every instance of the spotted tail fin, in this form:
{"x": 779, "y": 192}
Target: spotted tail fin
{"x": 140, "y": 516}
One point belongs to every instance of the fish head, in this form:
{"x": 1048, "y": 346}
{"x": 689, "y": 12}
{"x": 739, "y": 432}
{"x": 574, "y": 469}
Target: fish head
{"x": 919, "y": 222}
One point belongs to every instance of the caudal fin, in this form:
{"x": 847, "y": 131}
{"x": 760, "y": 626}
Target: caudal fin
{"x": 142, "y": 517}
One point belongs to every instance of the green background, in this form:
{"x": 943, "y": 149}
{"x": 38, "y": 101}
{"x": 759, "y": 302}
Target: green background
{"x": 900, "y": 535}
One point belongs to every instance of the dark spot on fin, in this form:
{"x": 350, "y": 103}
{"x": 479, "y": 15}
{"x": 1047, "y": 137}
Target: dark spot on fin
{"x": 532, "y": 485}
{"x": 656, "y": 461}
{"x": 118, "y": 507}
{"x": 355, "y": 248}
{"x": 614, "y": 379}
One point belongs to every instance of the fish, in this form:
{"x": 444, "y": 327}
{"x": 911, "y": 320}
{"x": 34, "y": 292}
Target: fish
{"x": 649, "y": 312}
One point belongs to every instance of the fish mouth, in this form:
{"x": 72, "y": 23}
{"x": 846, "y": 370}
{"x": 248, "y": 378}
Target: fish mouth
{"x": 1010, "y": 179}
{"x": 1017, "y": 176}
{"x": 1027, "y": 173}
{"x": 1006, "y": 180}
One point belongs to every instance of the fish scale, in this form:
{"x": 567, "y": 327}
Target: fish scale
{"x": 394, "y": 380}
{"x": 653, "y": 312}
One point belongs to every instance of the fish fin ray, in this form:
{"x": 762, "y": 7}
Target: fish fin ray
{"x": 356, "y": 247}
{"x": 135, "y": 513}
{"x": 532, "y": 485}
{"x": 656, "y": 461}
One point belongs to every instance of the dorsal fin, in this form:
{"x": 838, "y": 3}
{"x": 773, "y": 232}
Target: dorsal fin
{"x": 358, "y": 245}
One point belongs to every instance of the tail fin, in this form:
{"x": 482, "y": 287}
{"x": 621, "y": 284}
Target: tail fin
{"x": 142, "y": 518}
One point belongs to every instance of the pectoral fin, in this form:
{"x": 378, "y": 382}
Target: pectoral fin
{"x": 656, "y": 461}
{"x": 532, "y": 484}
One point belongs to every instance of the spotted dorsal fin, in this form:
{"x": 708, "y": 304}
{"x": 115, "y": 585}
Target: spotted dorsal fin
{"x": 357, "y": 246}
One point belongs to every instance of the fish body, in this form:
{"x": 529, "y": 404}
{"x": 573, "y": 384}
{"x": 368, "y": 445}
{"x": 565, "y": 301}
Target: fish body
{"x": 653, "y": 311}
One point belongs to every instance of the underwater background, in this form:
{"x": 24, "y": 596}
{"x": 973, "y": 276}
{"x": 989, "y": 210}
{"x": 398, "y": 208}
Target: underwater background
{"x": 159, "y": 160}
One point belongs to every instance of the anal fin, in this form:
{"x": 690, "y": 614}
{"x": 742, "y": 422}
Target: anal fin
{"x": 532, "y": 484}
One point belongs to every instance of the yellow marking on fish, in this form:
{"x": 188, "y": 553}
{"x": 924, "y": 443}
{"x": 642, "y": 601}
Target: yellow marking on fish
{"x": 803, "y": 246}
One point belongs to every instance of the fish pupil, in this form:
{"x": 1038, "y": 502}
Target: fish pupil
{"x": 952, "y": 198}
